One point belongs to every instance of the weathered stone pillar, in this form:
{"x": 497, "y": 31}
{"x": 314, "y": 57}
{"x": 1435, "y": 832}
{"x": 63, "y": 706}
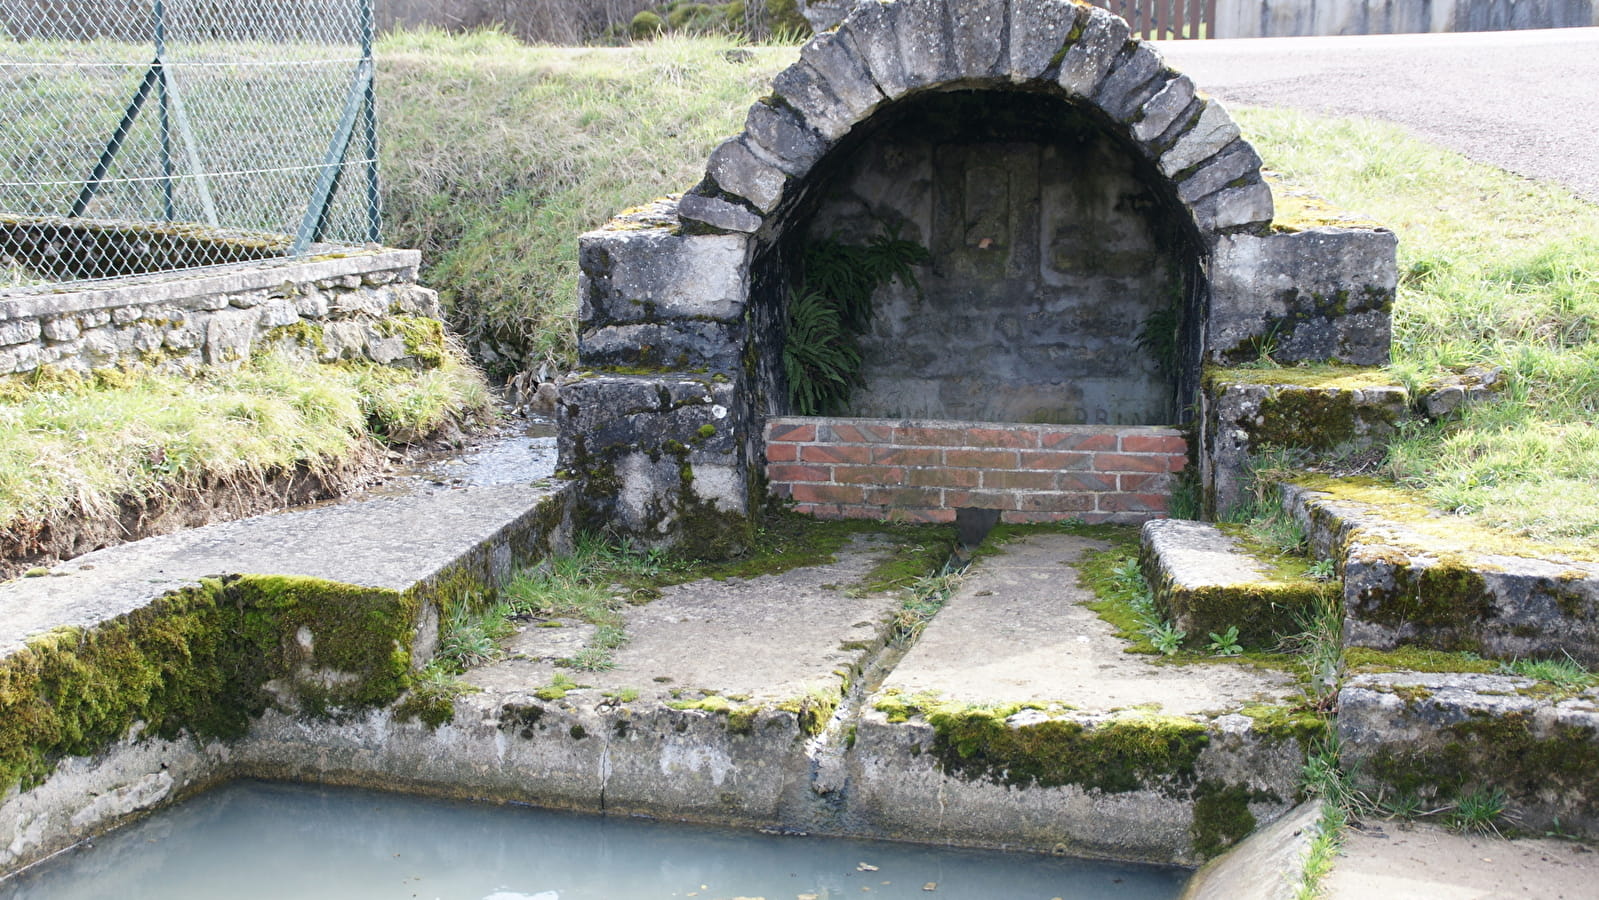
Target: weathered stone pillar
{"x": 656, "y": 427}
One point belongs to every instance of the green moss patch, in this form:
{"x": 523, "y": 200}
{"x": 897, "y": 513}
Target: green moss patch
{"x": 1138, "y": 752}
{"x": 1362, "y": 660}
{"x": 198, "y": 660}
{"x": 1502, "y": 751}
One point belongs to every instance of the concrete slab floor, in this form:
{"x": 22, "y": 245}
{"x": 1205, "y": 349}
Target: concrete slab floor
{"x": 1019, "y": 630}
{"x": 1425, "y": 862}
{"x": 773, "y": 637}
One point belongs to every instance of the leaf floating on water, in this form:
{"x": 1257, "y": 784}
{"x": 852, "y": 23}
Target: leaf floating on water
{"x": 808, "y": 897}
{"x": 930, "y": 886}
{"x": 866, "y": 867}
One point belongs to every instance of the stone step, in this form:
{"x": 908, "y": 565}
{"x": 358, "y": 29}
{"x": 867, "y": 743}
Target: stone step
{"x": 1206, "y": 580}
{"x": 1020, "y": 714}
{"x": 1414, "y": 576}
{"x": 1431, "y": 740}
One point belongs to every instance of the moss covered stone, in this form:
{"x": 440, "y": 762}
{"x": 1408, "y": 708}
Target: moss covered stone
{"x": 1143, "y": 752}
{"x": 200, "y": 660}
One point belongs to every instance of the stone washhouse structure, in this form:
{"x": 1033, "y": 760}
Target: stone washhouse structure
{"x": 1098, "y": 234}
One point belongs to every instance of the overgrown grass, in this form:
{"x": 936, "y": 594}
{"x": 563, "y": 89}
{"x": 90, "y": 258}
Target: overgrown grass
{"x": 1495, "y": 270}
{"x": 496, "y": 156}
{"x": 74, "y": 446}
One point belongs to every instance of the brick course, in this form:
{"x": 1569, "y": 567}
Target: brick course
{"x": 924, "y": 471}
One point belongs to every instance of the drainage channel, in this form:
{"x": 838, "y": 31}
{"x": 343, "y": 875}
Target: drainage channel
{"x": 828, "y": 751}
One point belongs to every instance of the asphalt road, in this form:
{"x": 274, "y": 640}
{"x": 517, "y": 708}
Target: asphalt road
{"x": 1525, "y": 101}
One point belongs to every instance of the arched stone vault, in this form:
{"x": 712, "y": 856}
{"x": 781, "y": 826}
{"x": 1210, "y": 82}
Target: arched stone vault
{"x": 884, "y": 52}
{"x": 682, "y": 312}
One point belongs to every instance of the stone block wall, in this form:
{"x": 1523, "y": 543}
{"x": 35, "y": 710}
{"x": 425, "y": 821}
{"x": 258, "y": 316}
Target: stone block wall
{"x": 922, "y": 471}
{"x": 365, "y": 305}
{"x": 661, "y": 428}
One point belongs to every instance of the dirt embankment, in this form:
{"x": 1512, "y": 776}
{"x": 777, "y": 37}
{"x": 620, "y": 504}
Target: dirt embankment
{"x": 44, "y": 543}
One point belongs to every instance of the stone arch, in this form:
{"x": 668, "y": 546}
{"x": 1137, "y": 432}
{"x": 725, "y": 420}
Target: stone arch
{"x": 886, "y": 56}
{"x": 884, "y": 52}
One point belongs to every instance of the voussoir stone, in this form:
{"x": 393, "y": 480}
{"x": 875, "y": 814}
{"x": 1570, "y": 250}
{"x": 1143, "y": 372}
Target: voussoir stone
{"x": 838, "y": 61}
{"x": 718, "y": 213}
{"x": 1038, "y": 31}
{"x": 977, "y": 28}
{"x": 1087, "y": 61}
{"x": 791, "y": 145}
{"x": 1237, "y": 160}
{"x": 924, "y": 42}
{"x": 1163, "y": 108}
{"x": 807, "y": 90}
{"x": 872, "y": 27}
{"x": 1213, "y": 132}
{"x": 1235, "y": 207}
{"x": 738, "y": 170}
{"x": 1129, "y": 82}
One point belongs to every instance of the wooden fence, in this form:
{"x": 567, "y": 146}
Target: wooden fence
{"x": 1165, "y": 19}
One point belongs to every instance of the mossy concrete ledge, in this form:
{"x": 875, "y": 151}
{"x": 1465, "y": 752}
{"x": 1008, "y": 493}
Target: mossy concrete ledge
{"x": 129, "y": 675}
{"x": 1206, "y": 581}
{"x": 1413, "y": 576}
{"x": 1437, "y": 738}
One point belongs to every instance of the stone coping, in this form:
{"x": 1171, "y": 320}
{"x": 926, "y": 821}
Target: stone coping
{"x": 167, "y": 287}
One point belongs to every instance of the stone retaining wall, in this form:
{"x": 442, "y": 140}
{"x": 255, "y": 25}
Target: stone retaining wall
{"x": 924, "y": 471}
{"x": 365, "y": 305}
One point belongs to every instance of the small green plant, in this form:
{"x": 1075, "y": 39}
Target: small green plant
{"x": 1167, "y": 638}
{"x": 1480, "y": 812}
{"x": 1322, "y": 570}
{"x": 1226, "y": 643}
{"x": 927, "y": 596}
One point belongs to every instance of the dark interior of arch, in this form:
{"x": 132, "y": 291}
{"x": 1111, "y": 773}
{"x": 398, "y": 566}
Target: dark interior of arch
{"x": 1065, "y": 280}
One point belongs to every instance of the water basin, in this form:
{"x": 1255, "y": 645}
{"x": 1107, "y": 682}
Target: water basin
{"x": 253, "y": 839}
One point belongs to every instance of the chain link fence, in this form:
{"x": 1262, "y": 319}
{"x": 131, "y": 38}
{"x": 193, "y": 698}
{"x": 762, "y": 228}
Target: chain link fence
{"x": 152, "y": 135}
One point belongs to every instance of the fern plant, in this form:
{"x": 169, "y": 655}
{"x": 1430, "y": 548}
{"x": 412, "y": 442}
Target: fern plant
{"x": 832, "y": 307}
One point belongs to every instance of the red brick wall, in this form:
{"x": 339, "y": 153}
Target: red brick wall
{"x": 924, "y": 471}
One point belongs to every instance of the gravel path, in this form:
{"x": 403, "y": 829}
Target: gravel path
{"x": 1525, "y": 101}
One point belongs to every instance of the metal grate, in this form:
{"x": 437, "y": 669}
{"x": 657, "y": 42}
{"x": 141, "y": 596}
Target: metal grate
{"x": 150, "y": 135}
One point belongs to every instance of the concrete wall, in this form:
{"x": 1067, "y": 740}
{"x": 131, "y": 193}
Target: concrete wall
{"x": 1050, "y": 251}
{"x": 1296, "y": 18}
{"x": 346, "y": 307}
{"x": 924, "y": 471}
